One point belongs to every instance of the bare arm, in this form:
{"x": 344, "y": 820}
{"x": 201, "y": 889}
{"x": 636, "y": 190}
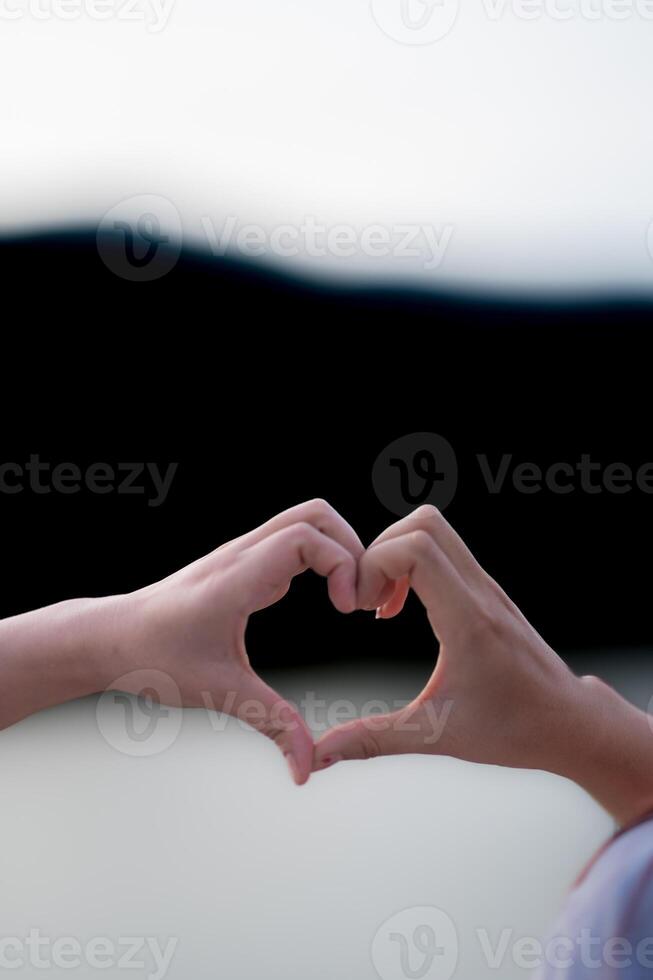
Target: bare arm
{"x": 55, "y": 654}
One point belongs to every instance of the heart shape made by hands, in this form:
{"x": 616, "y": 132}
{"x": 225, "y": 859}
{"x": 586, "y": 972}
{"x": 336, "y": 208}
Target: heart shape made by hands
{"x": 489, "y": 695}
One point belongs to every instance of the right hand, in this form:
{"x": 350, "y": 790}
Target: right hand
{"x": 499, "y": 694}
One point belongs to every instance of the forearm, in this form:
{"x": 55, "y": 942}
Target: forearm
{"x": 55, "y": 654}
{"x": 612, "y": 755}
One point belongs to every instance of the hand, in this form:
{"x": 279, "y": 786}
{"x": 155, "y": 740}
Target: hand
{"x": 182, "y": 640}
{"x": 498, "y": 694}
{"x": 497, "y": 688}
{"x": 191, "y": 626}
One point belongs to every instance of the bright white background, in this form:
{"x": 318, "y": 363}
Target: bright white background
{"x": 531, "y": 140}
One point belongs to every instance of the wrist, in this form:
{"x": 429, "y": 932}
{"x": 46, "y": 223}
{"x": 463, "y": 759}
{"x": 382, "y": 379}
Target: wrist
{"x": 56, "y": 654}
{"x": 611, "y": 752}
{"x": 77, "y": 643}
{"x": 97, "y": 628}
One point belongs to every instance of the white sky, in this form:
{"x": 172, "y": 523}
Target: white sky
{"x": 525, "y": 146}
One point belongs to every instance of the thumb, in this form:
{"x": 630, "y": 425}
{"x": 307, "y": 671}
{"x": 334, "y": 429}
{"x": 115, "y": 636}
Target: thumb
{"x": 365, "y": 738}
{"x": 265, "y": 710}
{"x": 418, "y": 728}
{"x": 394, "y": 605}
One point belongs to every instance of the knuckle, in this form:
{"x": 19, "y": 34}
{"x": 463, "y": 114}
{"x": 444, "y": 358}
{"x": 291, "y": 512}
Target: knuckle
{"x": 301, "y": 530}
{"x": 278, "y": 726}
{"x": 272, "y": 729}
{"x": 429, "y": 512}
{"x": 422, "y": 543}
{"x": 319, "y": 509}
{"x": 429, "y": 524}
{"x": 370, "y": 747}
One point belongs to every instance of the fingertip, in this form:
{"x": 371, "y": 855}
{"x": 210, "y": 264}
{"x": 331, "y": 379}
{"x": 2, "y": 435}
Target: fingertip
{"x": 297, "y": 745}
{"x": 374, "y": 596}
{"x": 343, "y": 603}
{"x": 396, "y": 602}
{"x": 342, "y": 590}
{"x": 387, "y": 612}
{"x": 334, "y": 746}
{"x": 299, "y": 773}
{"x": 326, "y": 761}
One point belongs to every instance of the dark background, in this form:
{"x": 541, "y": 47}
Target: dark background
{"x": 268, "y": 391}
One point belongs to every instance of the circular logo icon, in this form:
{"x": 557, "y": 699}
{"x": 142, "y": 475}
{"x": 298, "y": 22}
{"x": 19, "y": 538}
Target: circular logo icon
{"x": 140, "y": 238}
{"x": 417, "y": 469}
{"x": 417, "y": 944}
{"x": 140, "y": 723}
{"x": 415, "y": 21}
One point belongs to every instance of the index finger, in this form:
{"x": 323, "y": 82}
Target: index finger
{"x": 432, "y": 575}
{"x": 318, "y": 513}
{"x": 431, "y": 520}
{"x": 266, "y": 568}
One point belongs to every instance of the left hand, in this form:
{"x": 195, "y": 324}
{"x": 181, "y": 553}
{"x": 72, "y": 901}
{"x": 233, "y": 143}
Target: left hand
{"x": 191, "y": 625}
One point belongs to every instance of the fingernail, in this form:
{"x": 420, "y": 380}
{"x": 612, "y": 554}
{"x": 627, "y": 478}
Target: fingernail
{"x": 294, "y": 767}
{"x": 378, "y": 613}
